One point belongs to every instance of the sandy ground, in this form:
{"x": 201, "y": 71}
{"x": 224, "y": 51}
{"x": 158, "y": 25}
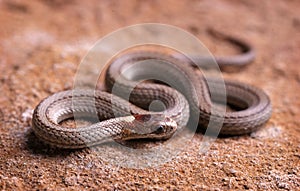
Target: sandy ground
{"x": 42, "y": 43}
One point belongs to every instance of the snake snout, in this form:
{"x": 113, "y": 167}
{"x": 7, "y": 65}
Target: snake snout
{"x": 164, "y": 129}
{"x": 157, "y": 126}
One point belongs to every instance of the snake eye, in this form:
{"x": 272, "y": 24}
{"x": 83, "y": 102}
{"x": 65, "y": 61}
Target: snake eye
{"x": 160, "y": 129}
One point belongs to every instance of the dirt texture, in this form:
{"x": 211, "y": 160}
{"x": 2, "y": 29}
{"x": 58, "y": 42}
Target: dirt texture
{"x": 42, "y": 43}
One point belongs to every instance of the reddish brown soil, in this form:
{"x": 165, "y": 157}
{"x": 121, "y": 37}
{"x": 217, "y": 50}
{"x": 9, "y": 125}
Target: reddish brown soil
{"x": 42, "y": 43}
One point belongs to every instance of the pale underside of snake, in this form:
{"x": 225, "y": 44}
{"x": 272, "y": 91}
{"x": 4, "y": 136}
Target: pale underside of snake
{"x": 191, "y": 97}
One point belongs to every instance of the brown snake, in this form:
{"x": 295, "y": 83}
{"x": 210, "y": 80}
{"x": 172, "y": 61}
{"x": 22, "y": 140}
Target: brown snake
{"x": 121, "y": 120}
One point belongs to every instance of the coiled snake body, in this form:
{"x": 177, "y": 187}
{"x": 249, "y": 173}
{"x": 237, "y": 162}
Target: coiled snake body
{"x": 121, "y": 120}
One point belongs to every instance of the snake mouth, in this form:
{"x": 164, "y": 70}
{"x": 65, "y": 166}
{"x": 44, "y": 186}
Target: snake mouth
{"x": 163, "y": 131}
{"x": 152, "y": 127}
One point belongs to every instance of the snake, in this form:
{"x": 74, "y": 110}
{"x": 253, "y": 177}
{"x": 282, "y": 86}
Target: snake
{"x": 183, "y": 94}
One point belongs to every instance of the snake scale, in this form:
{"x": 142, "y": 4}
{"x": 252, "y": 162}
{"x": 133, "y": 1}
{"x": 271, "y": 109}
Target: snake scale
{"x": 123, "y": 120}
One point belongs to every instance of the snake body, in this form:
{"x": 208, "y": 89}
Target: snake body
{"x": 121, "y": 120}
{"x": 60, "y": 106}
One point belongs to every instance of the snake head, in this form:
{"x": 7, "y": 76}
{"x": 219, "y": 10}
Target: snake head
{"x": 150, "y": 126}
